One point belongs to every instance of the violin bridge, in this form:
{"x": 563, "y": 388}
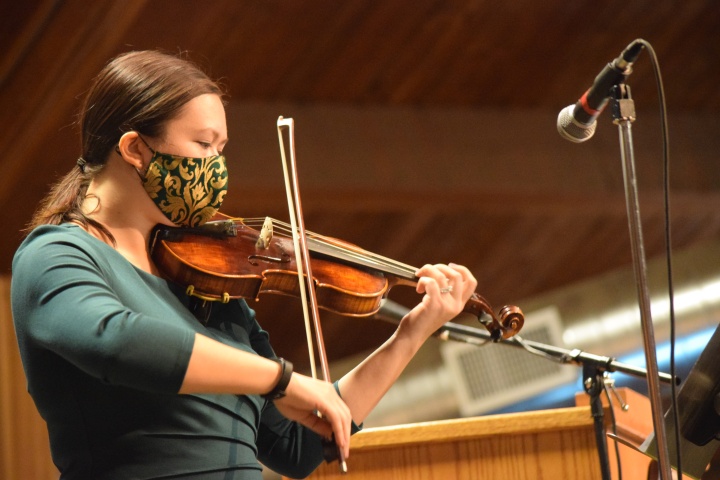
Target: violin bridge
{"x": 266, "y": 234}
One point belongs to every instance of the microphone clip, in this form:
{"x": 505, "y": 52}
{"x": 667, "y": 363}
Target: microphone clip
{"x": 622, "y": 105}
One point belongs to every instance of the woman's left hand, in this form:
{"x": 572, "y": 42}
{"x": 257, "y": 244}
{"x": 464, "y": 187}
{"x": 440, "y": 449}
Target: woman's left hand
{"x": 446, "y": 289}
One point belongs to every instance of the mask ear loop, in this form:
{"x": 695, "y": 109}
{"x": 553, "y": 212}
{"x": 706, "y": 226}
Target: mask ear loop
{"x": 143, "y": 176}
{"x": 146, "y": 144}
{"x": 117, "y": 150}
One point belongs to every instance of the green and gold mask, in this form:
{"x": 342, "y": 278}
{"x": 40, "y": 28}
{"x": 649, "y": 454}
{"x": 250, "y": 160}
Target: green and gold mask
{"x": 189, "y": 191}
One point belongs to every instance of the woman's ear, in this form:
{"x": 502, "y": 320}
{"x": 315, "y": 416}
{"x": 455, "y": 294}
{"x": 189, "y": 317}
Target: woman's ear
{"x": 132, "y": 149}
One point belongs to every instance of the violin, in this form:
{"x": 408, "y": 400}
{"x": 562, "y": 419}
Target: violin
{"x": 229, "y": 258}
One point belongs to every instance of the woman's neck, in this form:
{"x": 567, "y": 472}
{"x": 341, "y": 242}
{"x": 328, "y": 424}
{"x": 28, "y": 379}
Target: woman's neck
{"x": 132, "y": 244}
{"x": 117, "y": 200}
{"x": 128, "y": 240}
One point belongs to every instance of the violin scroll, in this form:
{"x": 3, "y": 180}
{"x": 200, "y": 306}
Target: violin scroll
{"x": 509, "y": 323}
{"x": 512, "y": 320}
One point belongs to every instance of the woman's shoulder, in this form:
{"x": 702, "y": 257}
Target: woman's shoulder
{"x": 54, "y": 232}
{"x": 45, "y": 240}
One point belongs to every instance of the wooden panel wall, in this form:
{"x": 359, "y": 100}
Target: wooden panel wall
{"x": 24, "y": 447}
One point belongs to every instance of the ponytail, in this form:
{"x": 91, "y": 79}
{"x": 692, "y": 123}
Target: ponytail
{"x": 64, "y": 202}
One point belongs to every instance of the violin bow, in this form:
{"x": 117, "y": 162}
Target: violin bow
{"x": 308, "y": 295}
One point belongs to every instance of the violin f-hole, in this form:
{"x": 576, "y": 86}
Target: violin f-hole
{"x": 264, "y": 258}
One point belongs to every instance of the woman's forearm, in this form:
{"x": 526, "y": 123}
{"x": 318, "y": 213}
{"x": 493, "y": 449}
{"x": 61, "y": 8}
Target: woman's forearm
{"x": 364, "y": 386}
{"x": 218, "y": 368}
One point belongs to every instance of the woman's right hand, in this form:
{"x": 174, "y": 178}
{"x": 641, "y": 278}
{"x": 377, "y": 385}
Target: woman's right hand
{"x": 219, "y": 368}
{"x": 306, "y": 397}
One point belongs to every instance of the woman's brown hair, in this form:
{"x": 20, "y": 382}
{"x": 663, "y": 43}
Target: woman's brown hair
{"x": 138, "y": 91}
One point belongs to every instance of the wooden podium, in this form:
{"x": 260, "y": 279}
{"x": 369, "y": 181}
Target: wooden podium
{"x": 557, "y": 444}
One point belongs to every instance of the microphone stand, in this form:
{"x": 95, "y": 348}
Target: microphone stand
{"x": 594, "y": 366}
{"x": 393, "y": 312}
{"x": 623, "y": 111}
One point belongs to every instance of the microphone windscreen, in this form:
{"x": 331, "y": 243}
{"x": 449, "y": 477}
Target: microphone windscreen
{"x": 571, "y": 129}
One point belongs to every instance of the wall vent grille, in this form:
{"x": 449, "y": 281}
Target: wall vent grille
{"x": 492, "y": 376}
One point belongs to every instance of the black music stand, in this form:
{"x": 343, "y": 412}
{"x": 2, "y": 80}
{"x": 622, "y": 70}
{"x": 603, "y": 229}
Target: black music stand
{"x": 699, "y": 414}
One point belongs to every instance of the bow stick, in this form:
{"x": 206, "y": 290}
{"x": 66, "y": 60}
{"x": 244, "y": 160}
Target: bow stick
{"x": 302, "y": 258}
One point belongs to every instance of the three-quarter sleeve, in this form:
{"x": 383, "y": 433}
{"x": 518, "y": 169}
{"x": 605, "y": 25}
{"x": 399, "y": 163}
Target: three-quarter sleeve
{"x": 101, "y": 317}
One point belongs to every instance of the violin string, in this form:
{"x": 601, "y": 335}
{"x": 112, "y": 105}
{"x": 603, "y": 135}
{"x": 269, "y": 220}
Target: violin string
{"x": 341, "y": 252}
{"x": 364, "y": 257}
{"x": 350, "y": 254}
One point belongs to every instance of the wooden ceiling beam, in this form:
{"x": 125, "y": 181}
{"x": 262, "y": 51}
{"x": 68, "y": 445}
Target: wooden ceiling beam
{"x": 53, "y": 62}
{"x": 30, "y": 32}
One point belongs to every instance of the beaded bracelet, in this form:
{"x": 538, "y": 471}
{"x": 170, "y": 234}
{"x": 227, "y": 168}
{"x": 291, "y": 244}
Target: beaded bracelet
{"x": 278, "y": 390}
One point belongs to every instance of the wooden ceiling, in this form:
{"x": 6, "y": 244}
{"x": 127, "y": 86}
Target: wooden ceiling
{"x": 449, "y": 151}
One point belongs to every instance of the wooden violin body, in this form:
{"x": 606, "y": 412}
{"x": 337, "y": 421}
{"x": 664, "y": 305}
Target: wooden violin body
{"x": 228, "y": 266}
{"x": 228, "y": 259}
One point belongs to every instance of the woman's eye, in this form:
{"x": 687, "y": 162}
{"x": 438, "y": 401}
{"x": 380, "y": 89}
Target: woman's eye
{"x": 204, "y": 144}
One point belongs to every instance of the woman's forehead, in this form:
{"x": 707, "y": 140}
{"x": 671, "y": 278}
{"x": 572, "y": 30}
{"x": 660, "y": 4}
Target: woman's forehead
{"x": 204, "y": 113}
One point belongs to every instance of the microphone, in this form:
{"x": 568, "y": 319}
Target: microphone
{"x": 577, "y": 122}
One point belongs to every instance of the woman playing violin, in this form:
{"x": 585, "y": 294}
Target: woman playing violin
{"x": 130, "y": 384}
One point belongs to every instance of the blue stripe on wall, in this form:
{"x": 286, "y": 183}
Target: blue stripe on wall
{"x": 687, "y": 351}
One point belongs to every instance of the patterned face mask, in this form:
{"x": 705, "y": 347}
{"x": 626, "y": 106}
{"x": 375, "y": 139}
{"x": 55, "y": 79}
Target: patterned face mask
{"x": 189, "y": 191}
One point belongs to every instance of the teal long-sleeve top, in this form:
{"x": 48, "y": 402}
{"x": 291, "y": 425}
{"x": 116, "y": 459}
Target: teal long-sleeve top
{"x": 105, "y": 347}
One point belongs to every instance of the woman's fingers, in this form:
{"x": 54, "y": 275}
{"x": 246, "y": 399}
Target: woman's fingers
{"x": 306, "y": 398}
{"x": 446, "y": 279}
{"x": 446, "y": 289}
